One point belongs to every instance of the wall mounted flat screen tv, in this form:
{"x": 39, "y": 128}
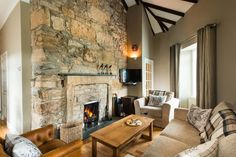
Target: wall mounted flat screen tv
{"x": 130, "y": 75}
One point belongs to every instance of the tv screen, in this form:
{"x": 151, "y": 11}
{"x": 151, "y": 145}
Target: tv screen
{"x": 130, "y": 75}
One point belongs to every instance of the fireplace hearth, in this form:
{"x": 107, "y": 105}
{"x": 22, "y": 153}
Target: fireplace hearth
{"x": 91, "y": 114}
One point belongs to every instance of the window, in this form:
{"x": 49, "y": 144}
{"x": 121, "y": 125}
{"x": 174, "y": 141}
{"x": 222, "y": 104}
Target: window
{"x": 187, "y": 75}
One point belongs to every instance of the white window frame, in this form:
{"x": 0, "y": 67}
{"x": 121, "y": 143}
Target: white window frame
{"x": 151, "y": 62}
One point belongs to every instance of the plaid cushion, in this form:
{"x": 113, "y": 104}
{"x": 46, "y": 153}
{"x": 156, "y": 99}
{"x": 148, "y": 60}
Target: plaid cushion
{"x": 220, "y": 125}
{"x": 169, "y": 94}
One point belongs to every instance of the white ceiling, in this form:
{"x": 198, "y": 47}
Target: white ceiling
{"x": 6, "y": 7}
{"x": 178, "y": 5}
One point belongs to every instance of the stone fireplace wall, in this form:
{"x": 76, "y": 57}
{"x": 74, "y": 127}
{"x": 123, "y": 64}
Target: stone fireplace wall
{"x": 73, "y": 36}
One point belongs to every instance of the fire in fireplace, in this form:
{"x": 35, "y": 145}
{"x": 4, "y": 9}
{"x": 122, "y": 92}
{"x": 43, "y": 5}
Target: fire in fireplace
{"x": 91, "y": 114}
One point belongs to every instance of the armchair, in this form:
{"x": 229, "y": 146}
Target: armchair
{"x": 162, "y": 114}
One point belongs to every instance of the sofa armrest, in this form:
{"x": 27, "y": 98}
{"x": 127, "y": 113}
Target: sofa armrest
{"x": 174, "y": 103}
{"x": 165, "y": 114}
{"x": 139, "y": 103}
{"x": 64, "y": 150}
{"x": 2, "y": 152}
{"x": 181, "y": 113}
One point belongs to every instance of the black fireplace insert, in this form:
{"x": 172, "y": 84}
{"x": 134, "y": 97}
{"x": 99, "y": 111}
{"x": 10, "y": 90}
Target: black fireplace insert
{"x": 91, "y": 114}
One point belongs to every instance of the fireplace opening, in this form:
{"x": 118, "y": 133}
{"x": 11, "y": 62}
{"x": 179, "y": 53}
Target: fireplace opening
{"x": 91, "y": 114}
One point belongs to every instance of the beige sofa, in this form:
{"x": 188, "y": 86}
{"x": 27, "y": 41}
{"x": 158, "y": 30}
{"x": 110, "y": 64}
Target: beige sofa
{"x": 161, "y": 115}
{"x": 180, "y": 135}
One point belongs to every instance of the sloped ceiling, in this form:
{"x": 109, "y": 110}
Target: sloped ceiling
{"x": 162, "y": 14}
{"x": 6, "y": 7}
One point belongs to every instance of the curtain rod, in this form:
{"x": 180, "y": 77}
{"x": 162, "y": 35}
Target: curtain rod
{"x": 212, "y": 25}
{"x": 195, "y": 35}
{"x": 188, "y": 39}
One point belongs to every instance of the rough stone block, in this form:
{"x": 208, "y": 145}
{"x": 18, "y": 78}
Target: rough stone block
{"x": 38, "y": 55}
{"x": 89, "y": 56}
{"x": 58, "y": 23}
{"x": 75, "y": 43}
{"x": 68, "y": 12}
{"x": 83, "y": 31}
{"x": 40, "y": 17}
{"x": 98, "y": 15}
{"x": 104, "y": 39}
{"x": 50, "y": 4}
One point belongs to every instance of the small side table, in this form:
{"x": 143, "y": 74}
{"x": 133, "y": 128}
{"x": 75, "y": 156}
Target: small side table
{"x": 128, "y": 104}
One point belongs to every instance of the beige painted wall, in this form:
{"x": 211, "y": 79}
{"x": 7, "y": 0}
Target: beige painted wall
{"x": 201, "y": 14}
{"x": 15, "y": 40}
{"x": 10, "y": 36}
{"x": 134, "y": 32}
{"x": 26, "y": 65}
{"x": 139, "y": 32}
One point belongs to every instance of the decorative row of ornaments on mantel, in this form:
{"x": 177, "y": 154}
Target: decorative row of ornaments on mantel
{"x": 104, "y": 69}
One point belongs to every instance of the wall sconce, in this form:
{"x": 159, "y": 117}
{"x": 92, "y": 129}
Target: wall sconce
{"x": 134, "y": 53}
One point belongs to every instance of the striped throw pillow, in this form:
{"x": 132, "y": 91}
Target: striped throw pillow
{"x": 220, "y": 125}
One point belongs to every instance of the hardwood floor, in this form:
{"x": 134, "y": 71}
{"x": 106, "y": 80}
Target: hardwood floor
{"x": 136, "y": 148}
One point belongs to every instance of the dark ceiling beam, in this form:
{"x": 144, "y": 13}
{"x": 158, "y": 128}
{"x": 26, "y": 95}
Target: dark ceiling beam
{"x": 159, "y": 22}
{"x": 137, "y": 2}
{"x": 191, "y": 1}
{"x": 125, "y": 4}
{"x": 161, "y": 26}
{"x": 165, "y": 27}
{"x": 149, "y": 20}
{"x": 160, "y": 18}
{"x": 163, "y": 9}
{"x": 166, "y": 20}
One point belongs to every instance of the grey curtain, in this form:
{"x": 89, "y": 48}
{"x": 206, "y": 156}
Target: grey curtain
{"x": 206, "y": 67}
{"x": 174, "y": 69}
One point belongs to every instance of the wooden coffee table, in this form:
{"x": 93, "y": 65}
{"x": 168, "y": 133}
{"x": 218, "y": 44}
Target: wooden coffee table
{"x": 118, "y": 134}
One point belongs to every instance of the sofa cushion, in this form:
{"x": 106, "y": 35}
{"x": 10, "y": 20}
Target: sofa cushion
{"x": 169, "y": 94}
{"x": 12, "y": 140}
{"x": 25, "y": 149}
{"x": 155, "y": 100}
{"x": 152, "y": 111}
{"x": 221, "y": 106}
{"x": 182, "y": 131}
{"x": 208, "y": 149}
{"x": 221, "y": 123}
{"x": 228, "y": 125}
{"x": 227, "y": 146}
{"x": 165, "y": 147}
{"x": 51, "y": 145}
{"x": 198, "y": 117}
